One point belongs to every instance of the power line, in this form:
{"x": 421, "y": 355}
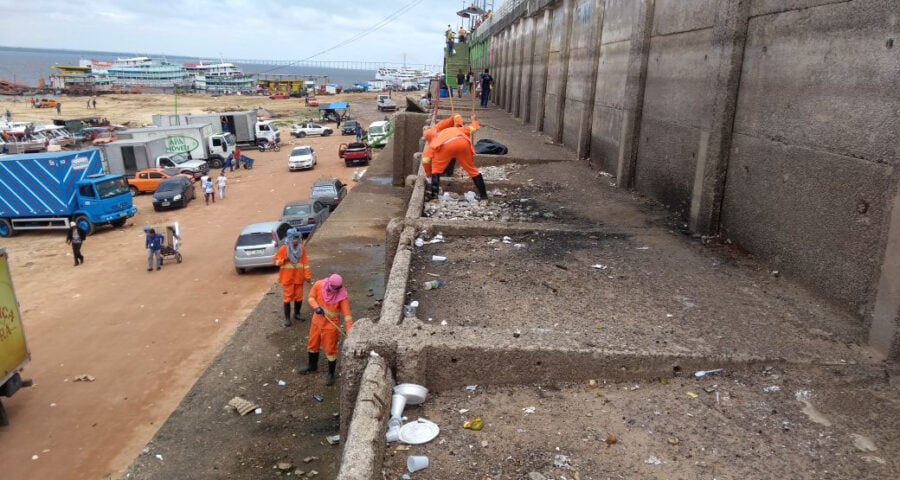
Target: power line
{"x": 377, "y": 26}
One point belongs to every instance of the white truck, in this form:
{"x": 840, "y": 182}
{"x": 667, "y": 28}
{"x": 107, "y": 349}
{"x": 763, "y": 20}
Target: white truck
{"x": 385, "y": 104}
{"x": 301, "y": 130}
{"x": 200, "y": 141}
{"x": 246, "y": 128}
{"x": 125, "y": 157}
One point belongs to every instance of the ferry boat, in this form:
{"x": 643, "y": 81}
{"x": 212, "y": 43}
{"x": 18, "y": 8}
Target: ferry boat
{"x": 218, "y": 77}
{"x": 146, "y": 72}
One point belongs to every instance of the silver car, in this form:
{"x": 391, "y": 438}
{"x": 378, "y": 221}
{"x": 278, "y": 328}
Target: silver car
{"x": 301, "y": 158}
{"x": 257, "y": 244}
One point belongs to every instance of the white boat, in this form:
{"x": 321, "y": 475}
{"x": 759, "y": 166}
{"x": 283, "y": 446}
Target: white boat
{"x": 218, "y": 77}
{"x": 146, "y": 72}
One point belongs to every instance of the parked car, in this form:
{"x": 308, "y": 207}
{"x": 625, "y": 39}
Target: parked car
{"x": 279, "y": 96}
{"x": 378, "y": 133}
{"x": 257, "y": 244}
{"x": 302, "y": 158}
{"x": 301, "y": 130}
{"x": 148, "y": 179}
{"x": 305, "y": 215}
{"x": 173, "y": 192}
{"x": 311, "y": 101}
{"x": 108, "y": 136}
{"x": 329, "y": 192}
{"x": 355, "y": 153}
{"x": 45, "y": 103}
{"x": 349, "y": 127}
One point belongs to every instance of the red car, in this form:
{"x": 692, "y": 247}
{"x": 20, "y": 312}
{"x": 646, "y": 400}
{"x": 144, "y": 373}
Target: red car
{"x": 279, "y": 96}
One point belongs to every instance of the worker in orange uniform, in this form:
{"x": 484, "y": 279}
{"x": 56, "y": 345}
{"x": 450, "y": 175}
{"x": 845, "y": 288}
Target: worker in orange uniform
{"x": 328, "y": 299}
{"x": 429, "y": 135}
{"x": 294, "y": 272}
{"x": 451, "y": 144}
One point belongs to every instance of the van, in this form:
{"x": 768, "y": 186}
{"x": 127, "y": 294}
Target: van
{"x": 378, "y": 133}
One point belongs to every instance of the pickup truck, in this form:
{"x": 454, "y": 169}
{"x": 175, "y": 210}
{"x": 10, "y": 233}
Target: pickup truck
{"x": 147, "y": 180}
{"x": 385, "y": 104}
{"x": 303, "y": 129}
{"x": 355, "y": 153}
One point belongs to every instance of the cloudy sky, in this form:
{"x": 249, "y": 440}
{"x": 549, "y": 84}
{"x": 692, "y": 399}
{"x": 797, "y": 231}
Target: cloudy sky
{"x": 236, "y": 29}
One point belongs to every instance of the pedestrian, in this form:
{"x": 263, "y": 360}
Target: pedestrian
{"x": 208, "y": 190}
{"x": 487, "y": 82}
{"x": 153, "y": 243}
{"x": 94, "y": 101}
{"x": 58, "y": 107}
{"x": 89, "y": 103}
{"x": 329, "y": 300}
{"x": 461, "y": 37}
{"x": 76, "y": 236}
{"x": 8, "y": 115}
{"x": 470, "y": 82}
{"x": 358, "y": 131}
{"x": 460, "y": 83}
{"x": 338, "y": 126}
{"x": 229, "y": 163}
{"x": 292, "y": 274}
{"x": 448, "y": 36}
{"x": 221, "y": 181}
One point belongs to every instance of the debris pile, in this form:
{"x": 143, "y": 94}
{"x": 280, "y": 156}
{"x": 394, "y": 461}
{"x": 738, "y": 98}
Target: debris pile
{"x": 499, "y": 172}
{"x": 452, "y": 206}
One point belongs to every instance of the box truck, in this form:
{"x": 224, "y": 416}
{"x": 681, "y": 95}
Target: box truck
{"x": 14, "y": 352}
{"x": 49, "y": 190}
{"x": 199, "y": 140}
{"x": 125, "y": 157}
{"x": 244, "y": 126}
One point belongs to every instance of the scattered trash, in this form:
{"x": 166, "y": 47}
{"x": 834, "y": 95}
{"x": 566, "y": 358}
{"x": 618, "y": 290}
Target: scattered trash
{"x": 611, "y": 440}
{"x": 518, "y": 245}
{"x": 704, "y": 373}
{"x": 507, "y": 240}
{"x": 414, "y": 463}
{"x": 642, "y": 248}
{"x": 419, "y": 432}
{"x": 438, "y": 258}
{"x": 318, "y": 398}
{"x": 599, "y": 267}
{"x": 158, "y": 457}
{"x": 561, "y": 461}
{"x": 258, "y": 411}
{"x": 710, "y": 389}
{"x": 419, "y": 242}
{"x": 528, "y": 410}
{"x": 84, "y": 378}
{"x": 432, "y": 285}
{"x": 411, "y": 309}
{"x": 663, "y": 381}
{"x": 775, "y": 273}
{"x": 35, "y": 457}
{"x": 493, "y": 241}
{"x": 310, "y": 459}
{"x": 282, "y": 383}
{"x": 471, "y": 388}
{"x": 653, "y": 460}
{"x": 692, "y": 395}
{"x": 593, "y": 384}
{"x": 517, "y": 333}
{"x": 443, "y": 323}
{"x": 243, "y": 406}
{"x": 634, "y": 387}
{"x": 405, "y": 476}
{"x": 284, "y": 466}
{"x": 463, "y": 410}
{"x": 470, "y": 196}
{"x": 536, "y": 476}
{"x": 333, "y": 439}
{"x": 474, "y": 424}
{"x": 673, "y": 441}
{"x": 772, "y": 389}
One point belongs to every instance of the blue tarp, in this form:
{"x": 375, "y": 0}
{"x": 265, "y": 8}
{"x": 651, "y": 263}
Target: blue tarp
{"x": 335, "y": 106}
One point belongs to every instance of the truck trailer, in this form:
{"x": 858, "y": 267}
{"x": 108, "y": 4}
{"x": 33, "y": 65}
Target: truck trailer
{"x": 49, "y": 190}
{"x": 244, "y": 126}
{"x": 125, "y": 157}
{"x": 199, "y": 140}
{"x": 14, "y": 352}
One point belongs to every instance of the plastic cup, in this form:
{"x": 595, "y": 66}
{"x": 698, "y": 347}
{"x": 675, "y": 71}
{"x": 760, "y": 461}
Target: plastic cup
{"x": 398, "y": 403}
{"x": 392, "y": 435}
{"x": 414, "y": 463}
{"x": 438, "y": 258}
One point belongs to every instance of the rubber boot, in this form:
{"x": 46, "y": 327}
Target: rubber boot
{"x": 287, "y": 315}
{"x": 297, "y": 316}
{"x": 313, "y": 365}
{"x": 479, "y": 184}
{"x": 332, "y": 366}
{"x": 435, "y": 185}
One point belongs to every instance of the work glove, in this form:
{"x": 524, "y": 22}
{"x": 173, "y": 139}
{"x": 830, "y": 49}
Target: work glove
{"x": 320, "y": 310}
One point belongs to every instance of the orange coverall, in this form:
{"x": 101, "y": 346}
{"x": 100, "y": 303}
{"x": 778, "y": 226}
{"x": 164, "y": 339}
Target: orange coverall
{"x": 324, "y": 328}
{"x": 455, "y": 143}
{"x": 431, "y": 133}
{"x": 292, "y": 275}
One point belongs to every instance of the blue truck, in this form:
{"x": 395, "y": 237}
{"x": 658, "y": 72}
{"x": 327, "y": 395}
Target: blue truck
{"x": 49, "y": 190}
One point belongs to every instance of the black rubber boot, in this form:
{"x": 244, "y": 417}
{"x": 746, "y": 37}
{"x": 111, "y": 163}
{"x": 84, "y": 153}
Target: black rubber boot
{"x": 435, "y": 185}
{"x": 297, "y": 316}
{"x": 479, "y": 184}
{"x": 332, "y": 366}
{"x": 313, "y": 365}
{"x": 287, "y": 315}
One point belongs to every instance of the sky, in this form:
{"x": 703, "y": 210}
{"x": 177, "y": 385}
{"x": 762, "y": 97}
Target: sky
{"x": 236, "y": 29}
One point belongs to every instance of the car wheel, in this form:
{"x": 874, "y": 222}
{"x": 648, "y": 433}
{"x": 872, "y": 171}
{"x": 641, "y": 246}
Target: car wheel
{"x": 215, "y": 162}
{"x": 178, "y": 257}
{"x": 301, "y": 134}
{"x": 83, "y": 223}
{"x": 118, "y": 223}
{"x": 6, "y": 228}
{"x": 156, "y": 209}
{"x": 133, "y": 190}
{"x": 240, "y": 271}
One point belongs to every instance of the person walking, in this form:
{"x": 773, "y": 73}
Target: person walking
{"x": 8, "y": 115}
{"x": 153, "y": 242}
{"x": 487, "y": 82}
{"x": 329, "y": 301}
{"x": 470, "y": 82}
{"x": 292, "y": 274}
{"x": 94, "y": 101}
{"x": 448, "y": 36}
{"x": 221, "y": 182}
{"x": 461, "y": 36}
{"x": 58, "y": 107}
{"x": 358, "y": 131}
{"x": 89, "y": 103}
{"x": 229, "y": 162}
{"x": 460, "y": 83}
{"x": 75, "y": 236}
{"x": 208, "y": 190}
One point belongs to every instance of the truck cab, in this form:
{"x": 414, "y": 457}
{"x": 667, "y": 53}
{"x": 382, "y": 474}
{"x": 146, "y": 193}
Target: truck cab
{"x": 102, "y": 200}
{"x": 267, "y": 130}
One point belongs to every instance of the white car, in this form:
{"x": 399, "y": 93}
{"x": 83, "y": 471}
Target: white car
{"x": 302, "y": 158}
{"x": 303, "y": 129}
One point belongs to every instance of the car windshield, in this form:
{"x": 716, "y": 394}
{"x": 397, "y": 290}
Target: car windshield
{"x": 301, "y": 151}
{"x": 296, "y": 210}
{"x": 254, "y": 239}
{"x": 112, "y": 188}
{"x": 376, "y": 130}
{"x": 169, "y": 186}
{"x": 323, "y": 191}
{"x": 178, "y": 158}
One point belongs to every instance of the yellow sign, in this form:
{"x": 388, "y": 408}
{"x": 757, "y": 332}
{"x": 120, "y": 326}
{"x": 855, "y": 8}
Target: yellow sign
{"x": 13, "y": 350}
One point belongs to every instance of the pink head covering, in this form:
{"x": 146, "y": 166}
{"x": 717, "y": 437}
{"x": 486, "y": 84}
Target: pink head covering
{"x": 333, "y": 289}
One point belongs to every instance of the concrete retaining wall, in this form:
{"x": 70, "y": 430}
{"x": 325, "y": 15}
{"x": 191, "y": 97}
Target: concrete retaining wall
{"x": 774, "y": 123}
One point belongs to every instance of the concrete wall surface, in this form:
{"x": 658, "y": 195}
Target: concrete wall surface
{"x": 775, "y": 123}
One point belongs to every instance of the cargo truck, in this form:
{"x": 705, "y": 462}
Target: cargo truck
{"x": 199, "y": 140}
{"x": 49, "y": 190}
{"x": 244, "y": 126}
{"x": 126, "y": 157}
{"x": 14, "y": 352}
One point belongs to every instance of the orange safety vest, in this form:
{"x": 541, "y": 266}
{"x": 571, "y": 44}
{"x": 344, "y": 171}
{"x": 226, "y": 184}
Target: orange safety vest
{"x": 292, "y": 273}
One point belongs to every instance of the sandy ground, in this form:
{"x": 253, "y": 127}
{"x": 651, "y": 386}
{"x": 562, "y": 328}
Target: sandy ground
{"x": 144, "y": 336}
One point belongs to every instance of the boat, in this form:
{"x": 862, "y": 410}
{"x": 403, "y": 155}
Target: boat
{"x": 19, "y": 137}
{"x": 220, "y": 77}
{"x": 146, "y": 72}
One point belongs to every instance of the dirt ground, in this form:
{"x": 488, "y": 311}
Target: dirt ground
{"x": 145, "y": 337}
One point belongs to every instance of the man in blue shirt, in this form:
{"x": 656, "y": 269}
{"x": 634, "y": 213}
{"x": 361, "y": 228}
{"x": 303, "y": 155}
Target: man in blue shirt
{"x": 154, "y": 243}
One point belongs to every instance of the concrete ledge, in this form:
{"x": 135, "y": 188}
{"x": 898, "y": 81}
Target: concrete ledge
{"x": 364, "y": 442}
{"x": 417, "y": 199}
{"x": 460, "y": 228}
{"x": 395, "y": 287}
{"x": 483, "y": 160}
